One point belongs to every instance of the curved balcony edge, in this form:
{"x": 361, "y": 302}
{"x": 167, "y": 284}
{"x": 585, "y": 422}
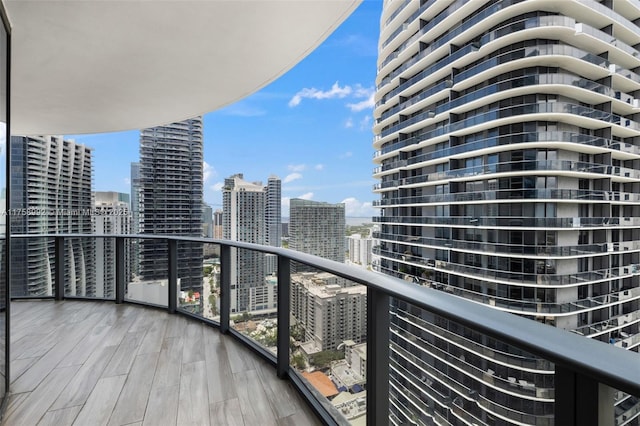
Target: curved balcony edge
{"x": 570, "y": 352}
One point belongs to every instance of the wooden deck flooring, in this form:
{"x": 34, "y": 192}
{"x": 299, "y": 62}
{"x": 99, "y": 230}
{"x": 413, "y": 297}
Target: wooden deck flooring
{"x": 98, "y": 363}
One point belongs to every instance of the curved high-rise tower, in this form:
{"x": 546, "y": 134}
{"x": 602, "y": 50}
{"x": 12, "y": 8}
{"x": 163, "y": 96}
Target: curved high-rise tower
{"x": 170, "y": 199}
{"x": 507, "y": 140}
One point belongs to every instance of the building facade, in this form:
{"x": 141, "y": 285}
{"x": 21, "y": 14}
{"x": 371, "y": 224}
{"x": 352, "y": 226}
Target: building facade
{"x": 273, "y": 211}
{"x": 170, "y": 199}
{"x": 360, "y": 249}
{"x": 317, "y": 228}
{"x": 243, "y": 219}
{"x": 207, "y": 221}
{"x": 329, "y": 311}
{"x": 134, "y": 253}
{"x": 111, "y": 215}
{"x": 507, "y": 145}
{"x": 217, "y": 224}
{"x": 51, "y": 193}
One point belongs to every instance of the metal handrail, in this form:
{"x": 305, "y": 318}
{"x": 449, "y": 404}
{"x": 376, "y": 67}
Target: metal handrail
{"x": 585, "y": 358}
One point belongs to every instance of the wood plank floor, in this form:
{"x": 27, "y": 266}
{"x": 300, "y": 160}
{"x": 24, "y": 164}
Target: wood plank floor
{"x": 98, "y": 363}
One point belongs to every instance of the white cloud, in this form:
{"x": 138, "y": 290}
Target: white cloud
{"x": 312, "y": 93}
{"x": 285, "y": 202}
{"x": 355, "y": 208}
{"x": 349, "y": 123}
{"x": 127, "y": 181}
{"x": 363, "y": 92}
{"x": 217, "y": 186}
{"x": 365, "y": 123}
{"x": 362, "y": 105}
{"x": 208, "y": 172}
{"x": 291, "y": 177}
{"x": 306, "y": 196}
{"x": 319, "y": 167}
{"x": 297, "y": 167}
{"x": 345, "y": 155}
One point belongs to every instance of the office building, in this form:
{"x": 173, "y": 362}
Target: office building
{"x": 328, "y": 311}
{"x": 317, "y": 228}
{"x": 170, "y": 199}
{"x": 111, "y": 215}
{"x": 507, "y": 139}
{"x": 51, "y": 190}
{"x": 243, "y": 220}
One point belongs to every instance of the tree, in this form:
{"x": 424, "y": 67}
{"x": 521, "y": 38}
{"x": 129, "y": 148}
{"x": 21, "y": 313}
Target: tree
{"x": 323, "y": 359}
{"x": 298, "y": 361}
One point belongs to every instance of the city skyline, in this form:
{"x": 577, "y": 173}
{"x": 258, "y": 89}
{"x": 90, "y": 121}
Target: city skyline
{"x": 314, "y": 122}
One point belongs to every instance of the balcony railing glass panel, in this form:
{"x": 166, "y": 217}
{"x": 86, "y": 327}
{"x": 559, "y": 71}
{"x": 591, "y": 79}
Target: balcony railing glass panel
{"x": 149, "y": 283}
{"x": 328, "y": 336}
{"x": 253, "y": 294}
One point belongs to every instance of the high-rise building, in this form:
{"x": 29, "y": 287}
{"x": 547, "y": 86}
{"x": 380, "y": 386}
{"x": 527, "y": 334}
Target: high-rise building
{"x": 360, "y": 249}
{"x": 170, "y": 199}
{"x": 207, "y": 221}
{"x": 243, "y": 207}
{"x": 273, "y": 212}
{"x": 317, "y": 228}
{"x": 51, "y": 193}
{"x": 111, "y": 215}
{"x": 328, "y": 311}
{"x": 507, "y": 138}
{"x": 134, "y": 254}
{"x": 217, "y": 224}
{"x": 272, "y": 221}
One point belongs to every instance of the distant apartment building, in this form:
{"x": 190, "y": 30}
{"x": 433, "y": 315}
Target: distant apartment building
{"x": 317, "y": 228}
{"x": 329, "y": 312}
{"x": 111, "y": 215}
{"x": 273, "y": 212}
{"x": 360, "y": 249}
{"x": 51, "y": 193}
{"x": 134, "y": 253}
{"x": 264, "y": 299}
{"x": 170, "y": 199}
{"x": 207, "y": 221}
{"x": 243, "y": 220}
{"x": 217, "y": 224}
{"x": 272, "y": 221}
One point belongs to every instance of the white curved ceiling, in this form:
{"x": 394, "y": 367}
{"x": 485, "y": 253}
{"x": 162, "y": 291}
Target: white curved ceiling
{"x": 99, "y": 66}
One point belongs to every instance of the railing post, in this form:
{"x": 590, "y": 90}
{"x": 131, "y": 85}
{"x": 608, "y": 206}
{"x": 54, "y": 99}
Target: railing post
{"x": 172, "y": 303}
{"x": 225, "y": 287}
{"x": 377, "y": 357}
{"x": 59, "y": 277}
{"x": 284, "y": 311}
{"x": 120, "y": 270}
{"x": 581, "y": 400}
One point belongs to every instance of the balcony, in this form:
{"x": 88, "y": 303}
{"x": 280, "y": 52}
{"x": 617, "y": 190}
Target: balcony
{"x": 125, "y": 359}
{"x": 91, "y": 363}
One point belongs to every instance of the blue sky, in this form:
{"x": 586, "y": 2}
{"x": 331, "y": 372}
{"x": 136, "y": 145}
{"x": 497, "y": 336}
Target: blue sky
{"x": 311, "y": 127}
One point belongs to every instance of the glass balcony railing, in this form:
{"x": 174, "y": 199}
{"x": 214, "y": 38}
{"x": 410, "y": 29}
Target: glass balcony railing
{"x": 356, "y": 344}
